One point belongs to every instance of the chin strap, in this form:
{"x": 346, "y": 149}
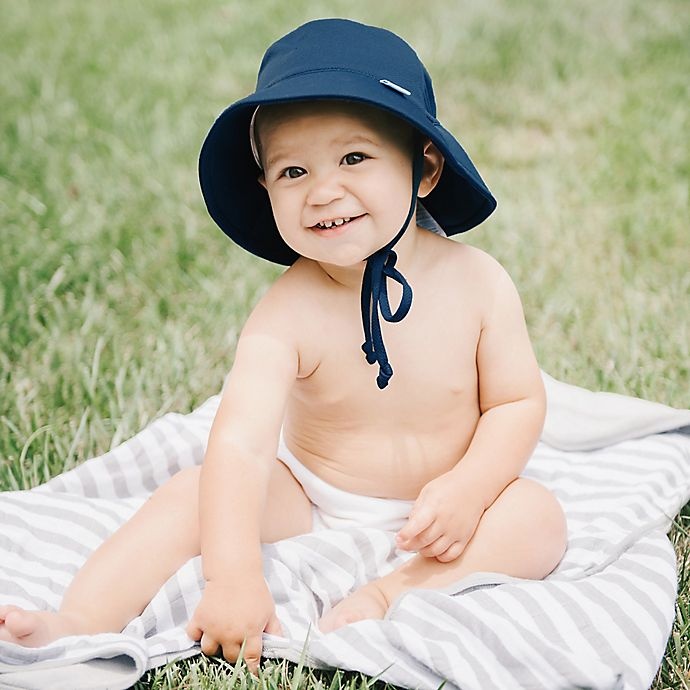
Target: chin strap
{"x": 381, "y": 266}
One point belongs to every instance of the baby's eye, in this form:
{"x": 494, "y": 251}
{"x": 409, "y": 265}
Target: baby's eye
{"x": 354, "y": 158}
{"x": 293, "y": 172}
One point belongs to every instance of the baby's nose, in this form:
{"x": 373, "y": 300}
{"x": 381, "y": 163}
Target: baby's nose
{"x": 324, "y": 189}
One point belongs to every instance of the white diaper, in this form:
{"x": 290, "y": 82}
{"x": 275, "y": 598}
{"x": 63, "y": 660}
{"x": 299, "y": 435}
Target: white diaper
{"x": 337, "y": 509}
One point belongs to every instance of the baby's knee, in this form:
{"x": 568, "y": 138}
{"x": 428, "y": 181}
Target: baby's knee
{"x": 544, "y": 514}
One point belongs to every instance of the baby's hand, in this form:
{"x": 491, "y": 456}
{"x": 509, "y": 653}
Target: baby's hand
{"x": 443, "y": 519}
{"x": 230, "y": 614}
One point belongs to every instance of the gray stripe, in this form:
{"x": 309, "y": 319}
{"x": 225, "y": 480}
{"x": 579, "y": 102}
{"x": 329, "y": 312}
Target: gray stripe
{"x": 393, "y": 635}
{"x": 593, "y": 474}
{"x": 347, "y": 562}
{"x": 56, "y": 483}
{"x": 87, "y": 481}
{"x": 489, "y": 637}
{"x": 561, "y": 466}
{"x": 415, "y": 674}
{"x": 604, "y": 508}
{"x": 116, "y": 471}
{"x": 559, "y": 662}
{"x": 593, "y": 543}
{"x": 170, "y": 453}
{"x": 638, "y": 569}
{"x": 648, "y": 489}
{"x": 629, "y": 629}
{"x": 196, "y": 442}
{"x": 367, "y": 553}
{"x": 16, "y": 589}
{"x": 144, "y": 467}
{"x": 646, "y": 486}
{"x": 10, "y": 574}
{"x": 644, "y": 450}
{"x": 647, "y": 547}
{"x": 46, "y": 536}
{"x": 10, "y": 545}
{"x": 88, "y": 523}
{"x": 323, "y": 589}
{"x": 272, "y": 571}
{"x": 625, "y": 468}
{"x": 433, "y": 633}
{"x": 615, "y": 497}
{"x": 586, "y": 625}
{"x": 99, "y": 505}
{"x": 536, "y": 611}
{"x": 175, "y": 596}
{"x": 615, "y": 550}
{"x": 186, "y": 450}
{"x": 150, "y": 624}
{"x": 615, "y": 517}
{"x": 640, "y": 597}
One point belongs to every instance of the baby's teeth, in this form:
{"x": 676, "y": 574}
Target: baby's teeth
{"x": 330, "y": 223}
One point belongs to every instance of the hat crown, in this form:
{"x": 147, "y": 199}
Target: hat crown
{"x": 343, "y": 45}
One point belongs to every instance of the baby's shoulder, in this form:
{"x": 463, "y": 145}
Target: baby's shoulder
{"x": 285, "y": 299}
{"x": 288, "y": 312}
{"x": 472, "y": 266}
{"x": 468, "y": 276}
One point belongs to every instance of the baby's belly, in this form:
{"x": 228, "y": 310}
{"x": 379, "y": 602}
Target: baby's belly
{"x": 389, "y": 463}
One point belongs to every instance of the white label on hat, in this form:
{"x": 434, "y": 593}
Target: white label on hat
{"x": 395, "y": 87}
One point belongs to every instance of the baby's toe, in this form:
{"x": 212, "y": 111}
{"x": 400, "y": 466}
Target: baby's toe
{"x": 5, "y": 609}
{"x": 339, "y": 616}
{"x": 21, "y": 623}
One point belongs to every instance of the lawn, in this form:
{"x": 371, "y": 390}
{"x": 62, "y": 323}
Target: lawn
{"x": 120, "y": 300}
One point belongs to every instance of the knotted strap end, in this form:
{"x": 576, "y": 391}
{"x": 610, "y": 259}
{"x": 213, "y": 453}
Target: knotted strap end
{"x": 385, "y": 375}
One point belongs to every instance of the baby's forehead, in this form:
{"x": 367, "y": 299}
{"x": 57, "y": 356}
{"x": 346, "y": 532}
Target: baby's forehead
{"x": 320, "y": 114}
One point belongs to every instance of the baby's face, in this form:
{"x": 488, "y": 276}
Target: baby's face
{"x": 339, "y": 177}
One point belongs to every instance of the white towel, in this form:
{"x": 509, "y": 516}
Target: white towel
{"x": 601, "y": 620}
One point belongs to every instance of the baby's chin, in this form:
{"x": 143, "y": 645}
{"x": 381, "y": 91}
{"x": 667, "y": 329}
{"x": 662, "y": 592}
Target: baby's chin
{"x": 344, "y": 256}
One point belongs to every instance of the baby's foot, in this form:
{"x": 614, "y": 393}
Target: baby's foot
{"x": 37, "y": 628}
{"x": 366, "y": 602}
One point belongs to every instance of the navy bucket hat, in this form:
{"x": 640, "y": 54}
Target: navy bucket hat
{"x": 343, "y": 60}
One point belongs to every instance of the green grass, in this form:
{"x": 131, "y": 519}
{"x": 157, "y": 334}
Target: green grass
{"x": 119, "y": 300}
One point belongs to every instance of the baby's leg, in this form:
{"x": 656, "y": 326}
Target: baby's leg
{"x": 523, "y": 534}
{"x": 121, "y": 577}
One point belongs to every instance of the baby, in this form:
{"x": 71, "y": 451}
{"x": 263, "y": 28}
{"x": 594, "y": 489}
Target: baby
{"x": 326, "y": 168}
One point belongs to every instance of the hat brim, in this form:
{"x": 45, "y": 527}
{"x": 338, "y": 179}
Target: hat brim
{"x": 240, "y": 206}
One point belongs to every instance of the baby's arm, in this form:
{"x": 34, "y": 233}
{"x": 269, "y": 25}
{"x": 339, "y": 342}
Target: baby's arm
{"x": 512, "y": 407}
{"x": 236, "y": 603}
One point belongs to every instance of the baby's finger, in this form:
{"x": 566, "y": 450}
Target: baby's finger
{"x": 436, "y": 548}
{"x": 209, "y": 646}
{"x": 452, "y": 552}
{"x": 425, "y": 538}
{"x": 418, "y": 521}
{"x": 194, "y": 631}
{"x": 273, "y": 626}
{"x": 252, "y": 653}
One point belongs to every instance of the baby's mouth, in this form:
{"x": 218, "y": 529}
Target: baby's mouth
{"x": 335, "y": 223}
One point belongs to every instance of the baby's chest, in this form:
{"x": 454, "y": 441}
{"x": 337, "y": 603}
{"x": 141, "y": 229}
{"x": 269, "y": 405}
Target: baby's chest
{"x": 432, "y": 353}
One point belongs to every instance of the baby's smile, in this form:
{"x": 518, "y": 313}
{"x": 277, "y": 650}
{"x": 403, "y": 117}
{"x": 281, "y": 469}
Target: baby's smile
{"x": 335, "y": 223}
{"x": 330, "y": 223}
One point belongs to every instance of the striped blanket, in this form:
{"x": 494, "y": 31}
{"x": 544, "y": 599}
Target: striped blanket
{"x": 619, "y": 465}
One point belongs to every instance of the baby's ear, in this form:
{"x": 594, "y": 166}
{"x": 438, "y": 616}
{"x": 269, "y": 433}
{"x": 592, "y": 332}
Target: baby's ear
{"x": 433, "y": 167}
